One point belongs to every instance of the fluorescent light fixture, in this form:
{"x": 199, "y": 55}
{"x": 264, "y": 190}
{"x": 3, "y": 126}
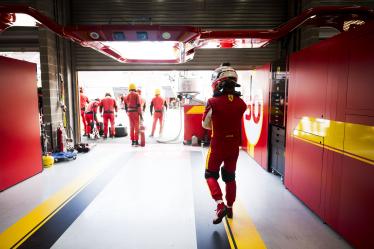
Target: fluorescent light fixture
{"x": 24, "y": 20}
{"x": 147, "y": 50}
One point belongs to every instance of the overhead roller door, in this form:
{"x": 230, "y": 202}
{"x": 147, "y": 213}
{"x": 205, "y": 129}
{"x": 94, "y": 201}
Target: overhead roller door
{"x": 19, "y": 39}
{"x": 205, "y": 59}
{"x": 208, "y": 14}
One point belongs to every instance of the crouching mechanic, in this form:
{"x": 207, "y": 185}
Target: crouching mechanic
{"x": 91, "y": 116}
{"x": 223, "y": 115}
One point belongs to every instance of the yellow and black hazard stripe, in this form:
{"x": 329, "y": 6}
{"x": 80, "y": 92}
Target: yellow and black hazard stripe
{"x": 239, "y": 232}
{"x": 42, "y": 226}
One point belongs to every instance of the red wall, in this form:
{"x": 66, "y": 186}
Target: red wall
{"x": 256, "y": 97}
{"x": 334, "y": 80}
{"x": 19, "y": 122}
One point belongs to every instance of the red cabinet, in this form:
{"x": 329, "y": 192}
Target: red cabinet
{"x": 334, "y": 175}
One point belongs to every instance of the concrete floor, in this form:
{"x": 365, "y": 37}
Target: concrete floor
{"x": 149, "y": 201}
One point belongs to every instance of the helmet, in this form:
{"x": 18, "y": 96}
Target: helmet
{"x": 132, "y": 87}
{"x": 222, "y": 73}
{"x": 157, "y": 91}
{"x": 48, "y": 161}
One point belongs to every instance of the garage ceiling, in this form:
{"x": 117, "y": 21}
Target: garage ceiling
{"x": 206, "y": 14}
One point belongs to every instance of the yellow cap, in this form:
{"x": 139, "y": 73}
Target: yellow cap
{"x": 157, "y": 92}
{"x": 132, "y": 87}
{"x": 48, "y": 161}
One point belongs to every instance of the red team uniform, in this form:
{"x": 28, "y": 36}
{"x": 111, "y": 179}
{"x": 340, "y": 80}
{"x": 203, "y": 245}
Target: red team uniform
{"x": 223, "y": 115}
{"x": 133, "y": 108}
{"x": 83, "y": 100}
{"x": 158, "y": 104}
{"x": 91, "y": 111}
{"x": 109, "y": 106}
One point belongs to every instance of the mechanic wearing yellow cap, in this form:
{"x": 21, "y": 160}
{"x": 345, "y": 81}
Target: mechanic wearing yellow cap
{"x": 133, "y": 109}
{"x": 158, "y": 103}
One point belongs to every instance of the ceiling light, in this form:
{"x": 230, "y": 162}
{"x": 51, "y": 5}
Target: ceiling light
{"x": 147, "y": 50}
{"x": 24, "y": 20}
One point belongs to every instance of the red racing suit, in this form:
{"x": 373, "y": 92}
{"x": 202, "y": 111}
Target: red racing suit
{"x": 133, "y": 108}
{"x": 223, "y": 115}
{"x": 158, "y": 103}
{"x": 91, "y": 111}
{"x": 108, "y": 105}
{"x": 83, "y": 100}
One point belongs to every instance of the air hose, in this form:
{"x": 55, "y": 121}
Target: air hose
{"x": 176, "y": 139}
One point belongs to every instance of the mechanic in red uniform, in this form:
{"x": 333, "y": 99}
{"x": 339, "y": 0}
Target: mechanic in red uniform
{"x": 158, "y": 103}
{"x": 133, "y": 109}
{"x": 223, "y": 115}
{"x": 108, "y": 105}
{"x": 91, "y": 116}
{"x": 142, "y": 100}
{"x": 83, "y": 100}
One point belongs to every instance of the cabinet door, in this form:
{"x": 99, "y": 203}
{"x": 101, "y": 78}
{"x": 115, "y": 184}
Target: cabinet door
{"x": 274, "y": 161}
{"x": 280, "y": 160}
{"x": 308, "y": 74}
{"x": 307, "y": 160}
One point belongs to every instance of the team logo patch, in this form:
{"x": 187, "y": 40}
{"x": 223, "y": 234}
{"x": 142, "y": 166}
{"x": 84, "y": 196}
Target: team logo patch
{"x": 231, "y": 97}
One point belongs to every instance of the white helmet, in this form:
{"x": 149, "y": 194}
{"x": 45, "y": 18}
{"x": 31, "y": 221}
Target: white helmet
{"x": 222, "y": 73}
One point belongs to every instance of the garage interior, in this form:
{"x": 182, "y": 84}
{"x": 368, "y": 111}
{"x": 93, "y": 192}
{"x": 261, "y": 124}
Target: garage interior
{"x": 305, "y": 167}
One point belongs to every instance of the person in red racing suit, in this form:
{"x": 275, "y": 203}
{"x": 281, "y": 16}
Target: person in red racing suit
{"x": 223, "y": 115}
{"x": 108, "y": 105}
{"x": 133, "y": 109}
{"x": 91, "y": 117}
{"x": 158, "y": 103}
{"x": 83, "y": 100}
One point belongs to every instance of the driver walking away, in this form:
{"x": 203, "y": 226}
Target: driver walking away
{"x": 223, "y": 115}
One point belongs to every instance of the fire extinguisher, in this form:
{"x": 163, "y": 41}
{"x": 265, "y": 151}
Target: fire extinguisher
{"x": 141, "y": 133}
{"x": 60, "y": 143}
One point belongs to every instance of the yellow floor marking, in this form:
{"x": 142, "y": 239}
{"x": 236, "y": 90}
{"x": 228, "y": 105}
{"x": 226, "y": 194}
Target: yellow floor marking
{"x": 16, "y": 234}
{"x": 232, "y": 246}
{"x": 244, "y": 231}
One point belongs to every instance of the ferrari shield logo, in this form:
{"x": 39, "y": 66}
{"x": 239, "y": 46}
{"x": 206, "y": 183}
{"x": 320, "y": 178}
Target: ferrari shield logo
{"x": 231, "y": 97}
